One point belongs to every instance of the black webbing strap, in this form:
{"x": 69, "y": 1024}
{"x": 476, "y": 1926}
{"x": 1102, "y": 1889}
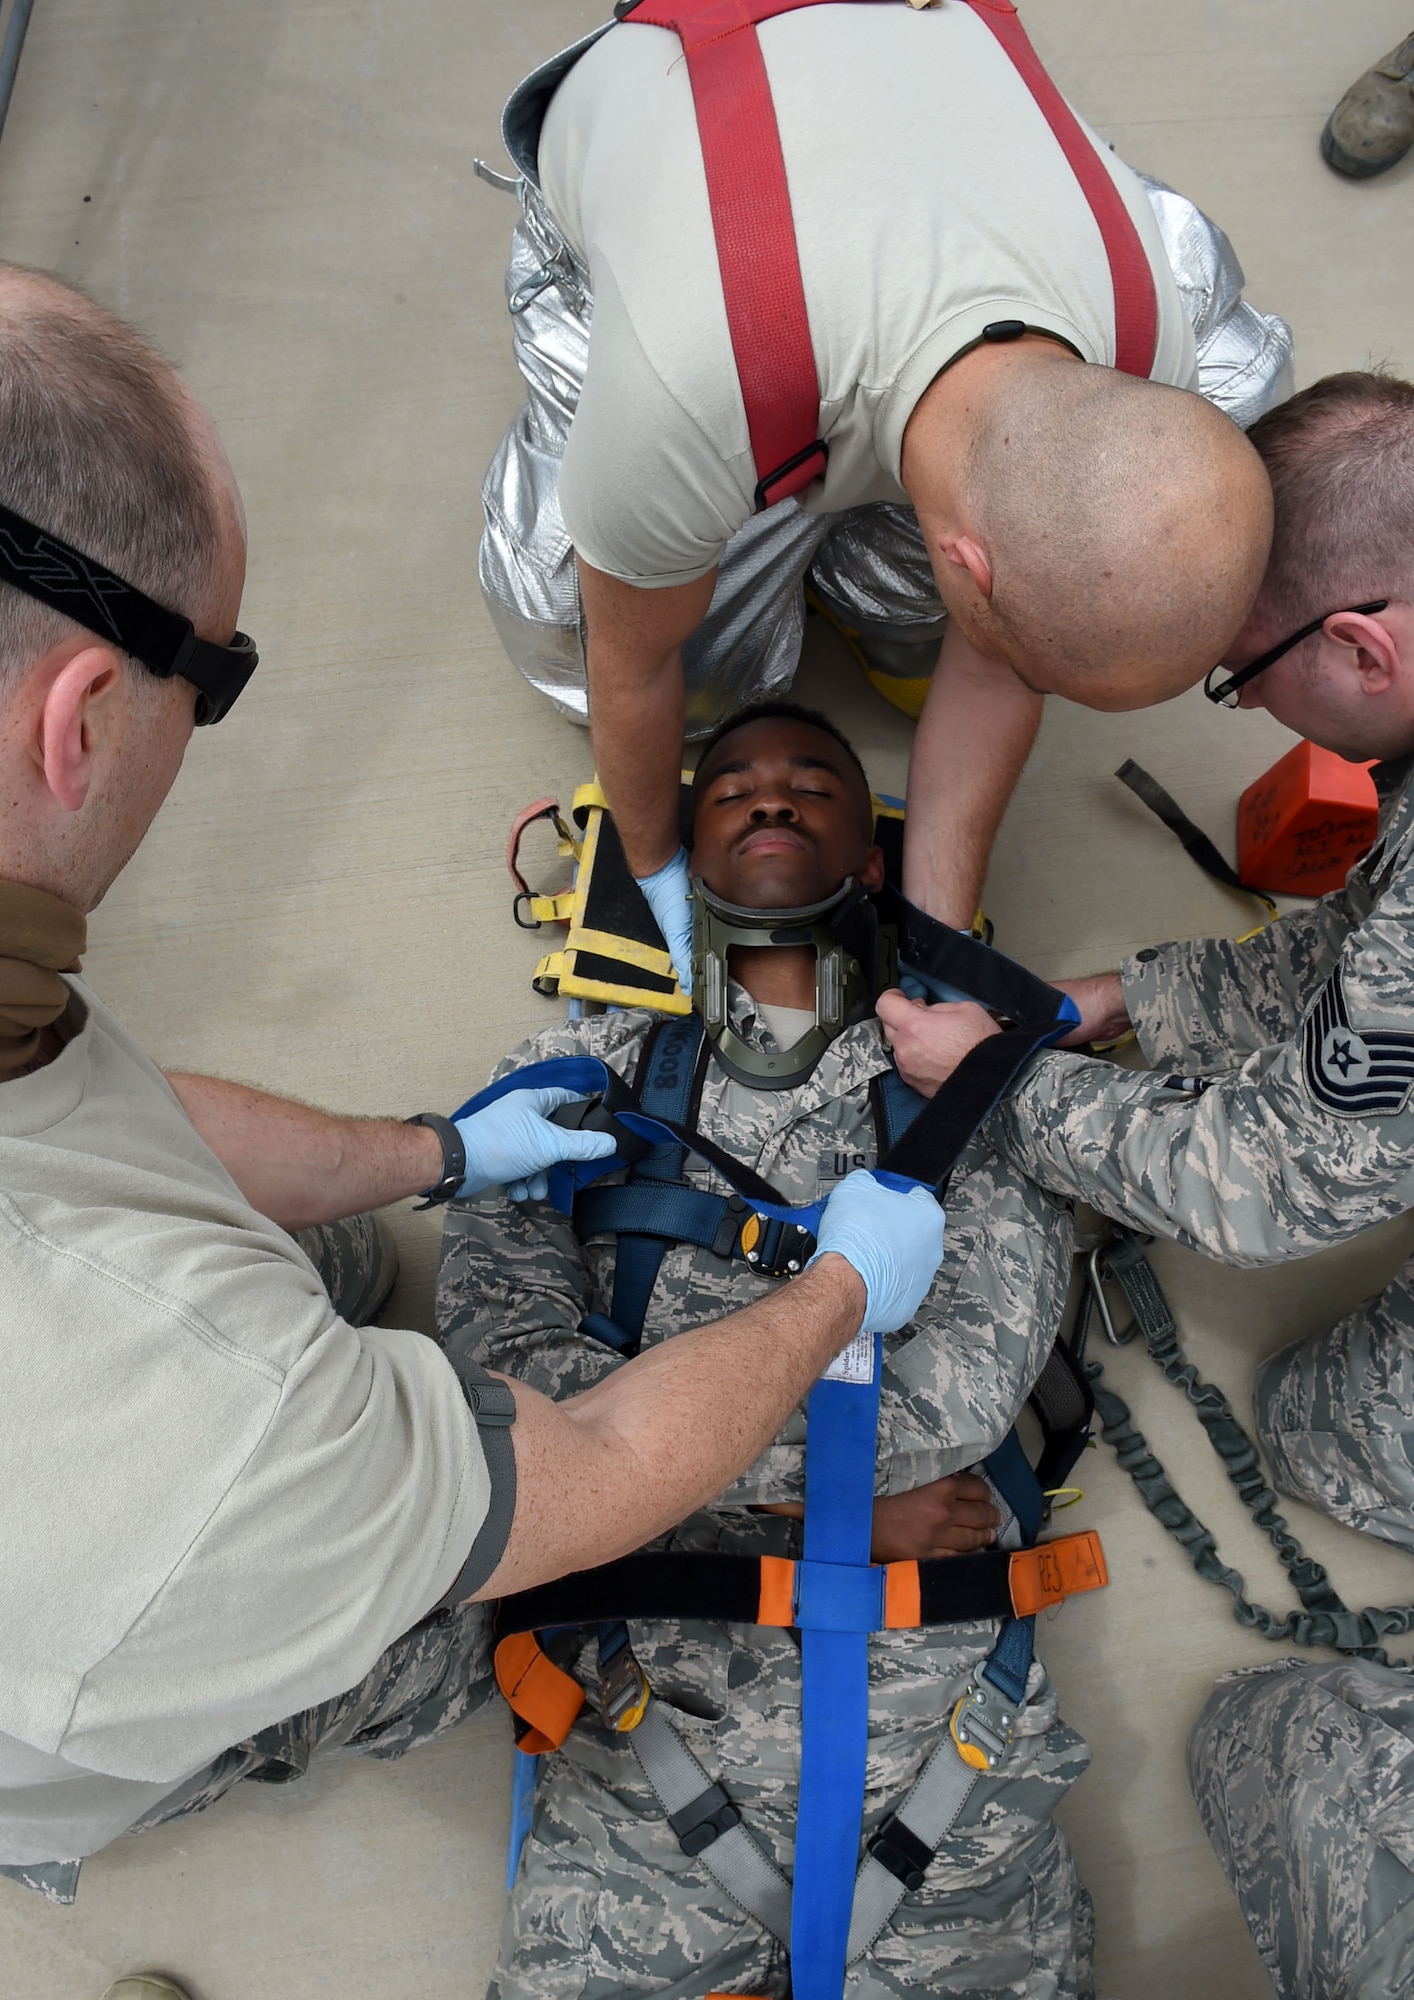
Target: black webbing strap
{"x": 1325, "y": 1619}
{"x": 666, "y": 1086}
{"x": 1196, "y": 843}
{"x": 726, "y": 1589}
{"x": 1036, "y": 1014}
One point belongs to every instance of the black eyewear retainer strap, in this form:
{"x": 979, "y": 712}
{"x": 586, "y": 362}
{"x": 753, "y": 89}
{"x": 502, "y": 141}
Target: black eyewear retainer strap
{"x": 1226, "y": 691}
{"x": 51, "y": 571}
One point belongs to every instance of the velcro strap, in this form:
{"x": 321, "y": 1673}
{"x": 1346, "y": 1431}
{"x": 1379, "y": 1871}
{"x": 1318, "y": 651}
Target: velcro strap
{"x": 545, "y": 1698}
{"x": 1050, "y": 1573}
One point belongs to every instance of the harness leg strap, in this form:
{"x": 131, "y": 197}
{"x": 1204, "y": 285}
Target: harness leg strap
{"x": 708, "y": 1825}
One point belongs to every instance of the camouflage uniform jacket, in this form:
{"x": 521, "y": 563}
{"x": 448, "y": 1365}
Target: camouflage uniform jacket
{"x": 1291, "y": 1126}
{"x": 514, "y": 1285}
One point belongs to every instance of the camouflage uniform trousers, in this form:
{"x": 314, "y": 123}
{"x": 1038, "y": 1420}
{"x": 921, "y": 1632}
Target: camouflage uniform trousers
{"x": 1335, "y": 1415}
{"x": 425, "y": 1683}
{"x": 1304, "y": 1776}
{"x": 606, "y": 1904}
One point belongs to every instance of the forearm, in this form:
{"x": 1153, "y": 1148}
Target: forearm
{"x": 1247, "y": 1169}
{"x": 636, "y": 727}
{"x": 600, "y": 1474}
{"x": 633, "y": 661}
{"x": 301, "y": 1166}
{"x": 973, "y": 738}
{"x": 1104, "y": 1011}
{"x": 1206, "y": 1004}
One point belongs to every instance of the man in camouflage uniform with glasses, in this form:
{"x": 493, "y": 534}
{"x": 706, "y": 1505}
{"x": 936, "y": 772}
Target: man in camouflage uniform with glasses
{"x": 1277, "y": 1118}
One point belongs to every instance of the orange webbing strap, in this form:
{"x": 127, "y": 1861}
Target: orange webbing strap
{"x": 777, "y": 1591}
{"x": 903, "y": 1605}
{"x": 1053, "y": 1571}
{"x": 539, "y": 1692}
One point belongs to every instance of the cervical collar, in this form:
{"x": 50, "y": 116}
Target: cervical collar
{"x": 854, "y": 961}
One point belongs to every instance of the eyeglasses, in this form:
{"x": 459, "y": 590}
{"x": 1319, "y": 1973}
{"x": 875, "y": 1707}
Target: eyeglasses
{"x": 1228, "y": 692}
{"x": 56, "y": 574}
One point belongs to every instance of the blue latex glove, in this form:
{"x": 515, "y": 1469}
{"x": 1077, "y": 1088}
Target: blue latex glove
{"x": 512, "y": 1142}
{"x": 893, "y": 1240}
{"x": 669, "y": 894}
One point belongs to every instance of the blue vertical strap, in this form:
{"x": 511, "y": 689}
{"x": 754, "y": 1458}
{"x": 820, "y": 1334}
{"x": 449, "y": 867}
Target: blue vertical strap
{"x": 895, "y": 1108}
{"x": 669, "y": 1069}
{"x": 524, "y": 1772}
{"x": 842, "y": 1420}
{"x": 1009, "y": 1662}
{"x": 1011, "y": 1472}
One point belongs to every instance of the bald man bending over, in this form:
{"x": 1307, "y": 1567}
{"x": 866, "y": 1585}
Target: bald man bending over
{"x": 240, "y": 1525}
{"x": 992, "y": 483}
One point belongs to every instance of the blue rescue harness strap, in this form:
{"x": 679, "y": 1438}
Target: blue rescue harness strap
{"x": 842, "y": 1420}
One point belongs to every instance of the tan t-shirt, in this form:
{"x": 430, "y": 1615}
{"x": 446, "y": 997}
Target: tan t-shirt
{"x": 930, "y": 198}
{"x": 220, "y": 1501}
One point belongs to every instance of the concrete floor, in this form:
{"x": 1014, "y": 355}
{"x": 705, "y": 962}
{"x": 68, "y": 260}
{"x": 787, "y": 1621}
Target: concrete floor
{"x": 280, "y": 192}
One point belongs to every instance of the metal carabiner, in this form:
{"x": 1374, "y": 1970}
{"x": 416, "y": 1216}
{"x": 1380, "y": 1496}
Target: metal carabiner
{"x": 1097, "y": 1293}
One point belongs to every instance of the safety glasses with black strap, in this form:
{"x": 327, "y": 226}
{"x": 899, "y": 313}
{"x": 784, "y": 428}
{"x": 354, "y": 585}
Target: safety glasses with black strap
{"x": 53, "y": 572}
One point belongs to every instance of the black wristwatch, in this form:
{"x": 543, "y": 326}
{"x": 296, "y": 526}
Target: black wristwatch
{"x": 453, "y": 1157}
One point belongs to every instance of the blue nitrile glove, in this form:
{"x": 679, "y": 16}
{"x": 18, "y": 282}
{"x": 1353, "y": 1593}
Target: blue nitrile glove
{"x": 512, "y": 1142}
{"x": 893, "y": 1240}
{"x": 669, "y": 894}
{"x": 918, "y": 985}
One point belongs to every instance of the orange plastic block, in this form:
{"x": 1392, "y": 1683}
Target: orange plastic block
{"x": 1303, "y": 824}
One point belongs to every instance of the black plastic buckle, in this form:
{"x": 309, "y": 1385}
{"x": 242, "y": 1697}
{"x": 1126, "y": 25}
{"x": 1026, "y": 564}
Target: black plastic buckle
{"x": 704, "y": 1819}
{"x": 763, "y": 486}
{"x": 898, "y": 1848}
{"x": 524, "y": 896}
{"x": 729, "y": 1228}
{"x": 776, "y": 1249}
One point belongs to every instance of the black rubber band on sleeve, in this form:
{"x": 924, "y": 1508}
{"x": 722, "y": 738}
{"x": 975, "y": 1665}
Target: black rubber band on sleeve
{"x": 493, "y": 1407}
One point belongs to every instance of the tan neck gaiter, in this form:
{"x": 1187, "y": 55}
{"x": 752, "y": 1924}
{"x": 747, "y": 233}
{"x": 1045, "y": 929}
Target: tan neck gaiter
{"x": 40, "y": 937}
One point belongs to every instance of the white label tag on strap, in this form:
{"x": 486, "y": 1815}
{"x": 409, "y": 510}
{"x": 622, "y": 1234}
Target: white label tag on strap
{"x": 854, "y": 1363}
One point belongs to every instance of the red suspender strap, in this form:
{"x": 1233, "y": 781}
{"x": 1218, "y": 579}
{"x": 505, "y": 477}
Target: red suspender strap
{"x": 755, "y": 229}
{"x": 1136, "y": 307}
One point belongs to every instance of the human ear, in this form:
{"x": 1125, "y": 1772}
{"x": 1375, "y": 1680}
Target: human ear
{"x": 1375, "y": 649}
{"x": 966, "y": 553}
{"x": 871, "y": 874}
{"x": 79, "y": 705}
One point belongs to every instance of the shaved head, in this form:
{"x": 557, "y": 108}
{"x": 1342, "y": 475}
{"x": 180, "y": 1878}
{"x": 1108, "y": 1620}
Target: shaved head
{"x": 1126, "y": 525}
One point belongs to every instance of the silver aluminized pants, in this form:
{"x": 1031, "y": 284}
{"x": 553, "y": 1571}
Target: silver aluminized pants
{"x": 868, "y": 566}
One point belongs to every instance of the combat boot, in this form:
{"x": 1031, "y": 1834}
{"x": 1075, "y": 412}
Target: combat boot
{"x": 1373, "y": 124}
